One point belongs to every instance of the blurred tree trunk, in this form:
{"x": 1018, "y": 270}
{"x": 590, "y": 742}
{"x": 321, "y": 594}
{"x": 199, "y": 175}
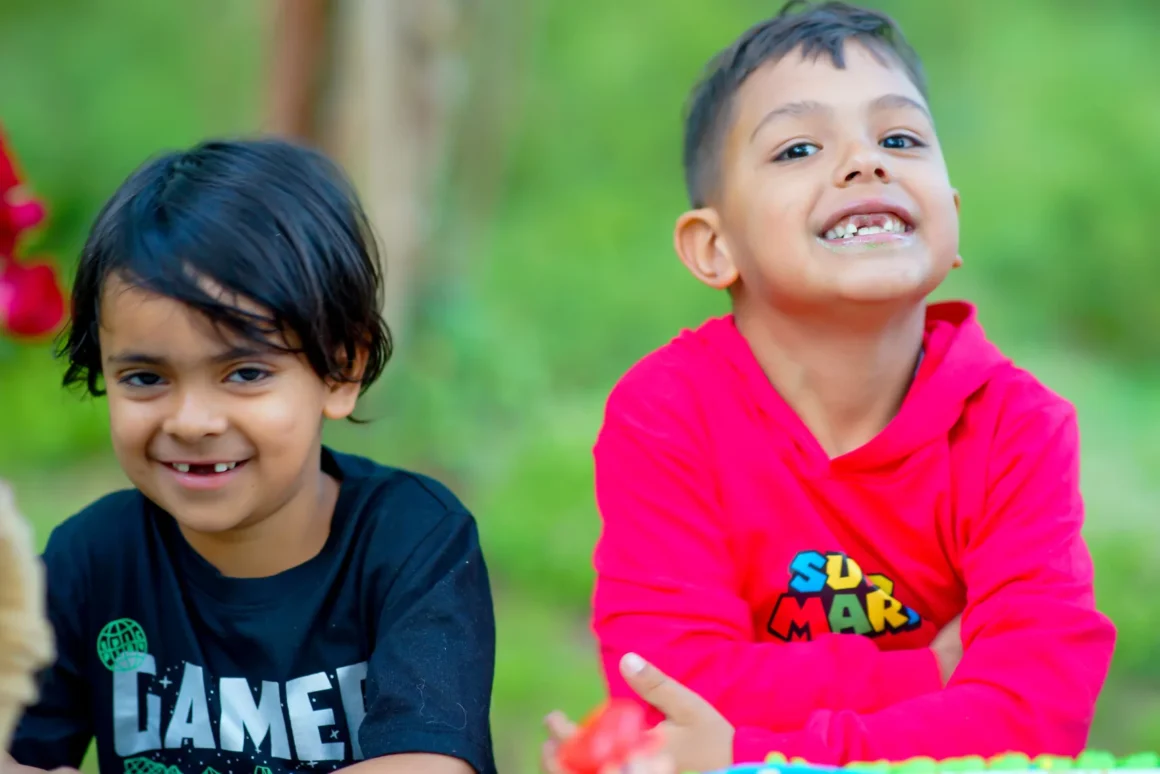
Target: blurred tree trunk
{"x": 381, "y": 85}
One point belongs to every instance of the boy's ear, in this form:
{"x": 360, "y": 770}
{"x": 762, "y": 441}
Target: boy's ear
{"x": 702, "y": 248}
{"x": 342, "y": 396}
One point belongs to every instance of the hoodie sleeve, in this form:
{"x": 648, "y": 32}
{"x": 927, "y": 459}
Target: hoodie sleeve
{"x": 668, "y": 589}
{"x": 1036, "y": 650}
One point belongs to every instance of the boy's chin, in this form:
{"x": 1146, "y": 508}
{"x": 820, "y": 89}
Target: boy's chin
{"x": 887, "y": 279}
{"x": 212, "y": 515}
{"x": 203, "y": 520}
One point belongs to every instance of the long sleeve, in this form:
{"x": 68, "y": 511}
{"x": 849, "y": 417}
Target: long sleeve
{"x": 667, "y": 586}
{"x": 1036, "y": 650}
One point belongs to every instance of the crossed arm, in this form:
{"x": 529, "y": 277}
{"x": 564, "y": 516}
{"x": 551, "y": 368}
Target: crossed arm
{"x": 1036, "y": 650}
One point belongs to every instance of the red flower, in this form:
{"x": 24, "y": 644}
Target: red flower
{"x": 31, "y": 301}
{"x": 18, "y": 211}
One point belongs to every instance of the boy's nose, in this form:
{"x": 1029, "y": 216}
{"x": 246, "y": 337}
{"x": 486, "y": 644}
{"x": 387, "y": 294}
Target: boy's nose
{"x": 863, "y": 166}
{"x": 194, "y": 417}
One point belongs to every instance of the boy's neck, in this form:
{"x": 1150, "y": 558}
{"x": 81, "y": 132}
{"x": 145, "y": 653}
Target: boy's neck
{"x": 846, "y": 379}
{"x": 292, "y": 536}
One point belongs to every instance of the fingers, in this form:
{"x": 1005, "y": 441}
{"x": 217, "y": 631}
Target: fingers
{"x": 549, "y": 762}
{"x": 559, "y": 726}
{"x": 672, "y": 699}
{"x": 559, "y": 730}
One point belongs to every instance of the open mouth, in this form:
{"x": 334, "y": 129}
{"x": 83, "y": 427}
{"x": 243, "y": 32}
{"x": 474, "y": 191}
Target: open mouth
{"x": 867, "y": 224}
{"x": 204, "y": 468}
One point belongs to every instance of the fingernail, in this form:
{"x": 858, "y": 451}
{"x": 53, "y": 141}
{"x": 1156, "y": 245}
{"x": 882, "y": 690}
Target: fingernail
{"x": 632, "y": 663}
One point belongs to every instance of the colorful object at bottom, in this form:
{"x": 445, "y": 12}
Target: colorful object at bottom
{"x": 1089, "y": 761}
{"x": 608, "y": 737}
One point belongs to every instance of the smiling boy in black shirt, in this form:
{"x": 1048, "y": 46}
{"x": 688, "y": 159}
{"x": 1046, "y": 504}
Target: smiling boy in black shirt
{"x": 257, "y": 603}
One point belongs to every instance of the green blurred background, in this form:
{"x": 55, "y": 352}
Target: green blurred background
{"x": 553, "y": 284}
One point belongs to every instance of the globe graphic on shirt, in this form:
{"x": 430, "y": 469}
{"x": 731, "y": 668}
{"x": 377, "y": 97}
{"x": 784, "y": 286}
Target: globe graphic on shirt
{"x": 122, "y": 646}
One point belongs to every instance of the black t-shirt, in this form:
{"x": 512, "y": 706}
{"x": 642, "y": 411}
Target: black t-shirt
{"x": 383, "y": 643}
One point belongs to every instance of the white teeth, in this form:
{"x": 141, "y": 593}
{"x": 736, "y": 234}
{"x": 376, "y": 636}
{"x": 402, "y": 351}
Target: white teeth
{"x": 218, "y": 467}
{"x": 845, "y": 230}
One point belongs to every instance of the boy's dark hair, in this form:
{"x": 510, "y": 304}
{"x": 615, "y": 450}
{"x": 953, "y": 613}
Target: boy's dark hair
{"x": 819, "y": 29}
{"x": 265, "y": 220}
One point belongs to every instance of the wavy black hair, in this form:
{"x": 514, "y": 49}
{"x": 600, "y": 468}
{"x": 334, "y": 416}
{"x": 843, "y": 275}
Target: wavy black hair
{"x": 263, "y": 220}
{"x": 821, "y": 29}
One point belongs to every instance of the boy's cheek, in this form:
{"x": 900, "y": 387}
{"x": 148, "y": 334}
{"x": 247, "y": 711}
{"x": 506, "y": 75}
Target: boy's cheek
{"x": 277, "y": 424}
{"x": 129, "y": 425}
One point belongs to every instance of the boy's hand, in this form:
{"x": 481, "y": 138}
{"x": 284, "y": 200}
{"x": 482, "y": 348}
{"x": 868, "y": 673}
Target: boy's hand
{"x": 696, "y": 737}
{"x": 948, "y": 647}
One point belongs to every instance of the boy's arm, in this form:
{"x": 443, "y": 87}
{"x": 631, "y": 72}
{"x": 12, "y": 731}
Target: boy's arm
{"x": 1036, "y": 651}
{"x": 429, "y": 680}
{"x": 667, "y": 586}
{"x": 408, "y": 763}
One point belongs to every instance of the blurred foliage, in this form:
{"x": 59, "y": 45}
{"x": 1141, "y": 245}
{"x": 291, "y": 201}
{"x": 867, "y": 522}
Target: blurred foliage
{"x": 1047, "y": 111}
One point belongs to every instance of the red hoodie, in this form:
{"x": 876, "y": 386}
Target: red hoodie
{"x": 799, "y": 594}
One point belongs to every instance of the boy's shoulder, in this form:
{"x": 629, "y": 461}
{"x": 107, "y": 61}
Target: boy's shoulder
{"x": 97, "y": 542}
{"x": 695, "y": 361}
{"x": 378, "y": 484}
{"x": 392, "y": 506}
{"x": 108, "y": 524}
{"x": 1015, "y": 402}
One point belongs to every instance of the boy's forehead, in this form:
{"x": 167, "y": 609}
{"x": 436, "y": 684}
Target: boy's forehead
{"x": 795, "y": 82}
{"x": 136, "y": 318}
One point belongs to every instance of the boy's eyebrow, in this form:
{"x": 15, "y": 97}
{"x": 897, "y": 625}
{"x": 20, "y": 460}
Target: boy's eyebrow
{"x": 885, "y": 102}
{"x": 144, "y": 358}
{"x": 789, "y": 109}
{"x": 895, "y": 101}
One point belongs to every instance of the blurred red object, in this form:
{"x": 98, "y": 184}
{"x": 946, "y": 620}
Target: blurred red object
{"x": 31, "y": 300}
{"x": 607, "y": 739}
{"x": 31, "y": 297}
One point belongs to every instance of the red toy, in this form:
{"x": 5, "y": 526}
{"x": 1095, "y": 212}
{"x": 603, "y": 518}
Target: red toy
{"x": 607, "y": 739}
{"x": 31, "y": 298}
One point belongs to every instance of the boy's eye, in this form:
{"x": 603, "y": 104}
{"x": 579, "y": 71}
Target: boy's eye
{"x": 248, "y": 375}
{"x": 141, "y": 379}
{"x": 900, "y": 142}
{"x": 799, "y": 151}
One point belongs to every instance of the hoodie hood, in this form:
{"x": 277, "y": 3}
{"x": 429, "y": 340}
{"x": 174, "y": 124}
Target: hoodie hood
{"x": 957, "y": 362}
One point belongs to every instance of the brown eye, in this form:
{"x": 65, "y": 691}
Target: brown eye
{"x": 248, "y": 375}
{"x": 141, "y": 379}
{"x": 799, "y": 151}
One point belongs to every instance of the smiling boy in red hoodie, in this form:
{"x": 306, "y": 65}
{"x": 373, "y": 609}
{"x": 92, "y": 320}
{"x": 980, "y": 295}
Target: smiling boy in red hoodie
{"x": 797, "y": 498}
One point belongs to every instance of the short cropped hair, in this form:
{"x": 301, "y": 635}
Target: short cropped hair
{"x": 264, "y": 220}
{"x": 819, "y": 29}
